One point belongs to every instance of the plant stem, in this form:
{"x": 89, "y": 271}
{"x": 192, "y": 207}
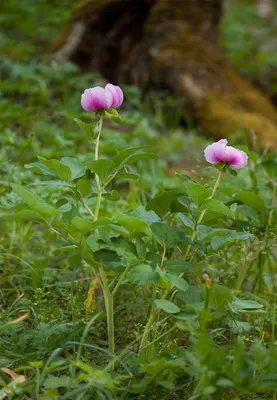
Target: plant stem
{"x": 82, "y": 200}
{"x": 99, "y": 190}
{"x": 108, "y": 296}
{"x": 241, "y": 276}
{"x": 201, "y": 216}
{"x": 110, "y": 179}
{"x": 147, "y": 328}
{"x": 110, "y": 320}
{"x": 122, "y": 276}
{"x": 155, "y": 311}
{"x": 158, "y": 338}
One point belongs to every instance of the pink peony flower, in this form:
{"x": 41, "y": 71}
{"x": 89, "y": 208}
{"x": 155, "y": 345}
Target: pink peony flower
{"x": 98, "y": 98}
{"x": 219, "y": 152}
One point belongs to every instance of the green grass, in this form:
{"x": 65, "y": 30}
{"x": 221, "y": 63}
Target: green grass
{"x": 222, "y": 344}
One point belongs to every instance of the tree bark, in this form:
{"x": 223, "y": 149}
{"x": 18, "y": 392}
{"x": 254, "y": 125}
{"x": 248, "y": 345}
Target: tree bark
{"x": 170, "y": 44}
{"x": 264, "y": 8}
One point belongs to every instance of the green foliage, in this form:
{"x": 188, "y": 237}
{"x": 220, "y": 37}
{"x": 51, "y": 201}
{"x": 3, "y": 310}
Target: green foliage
{"x": 191, "y": 274}
{"x": 248, "y": 40}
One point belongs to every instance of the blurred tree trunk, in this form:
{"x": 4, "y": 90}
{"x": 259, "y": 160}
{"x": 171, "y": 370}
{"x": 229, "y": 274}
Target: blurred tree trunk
{"x": 264, "y": 7}
{"x": 170, "y": 44}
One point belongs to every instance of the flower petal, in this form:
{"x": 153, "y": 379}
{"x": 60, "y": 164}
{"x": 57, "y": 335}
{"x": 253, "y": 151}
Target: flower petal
{"x": 215, "y": 153}
{"x": 239, "y": 158}
{"x": 95, "y": 99}
{"x": 223, "y": 141}
{"x": 117, "y": 94}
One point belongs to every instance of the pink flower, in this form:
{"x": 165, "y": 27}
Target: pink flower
{"x": 219, "y": 152}
{"x": 98, "y": 98}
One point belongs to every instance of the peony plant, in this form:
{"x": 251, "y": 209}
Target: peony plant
{"x": 153, "y": 246}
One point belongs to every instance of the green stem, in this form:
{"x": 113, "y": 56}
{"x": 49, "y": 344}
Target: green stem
{"x": 108, "y": 296}
{"x": 97, "y": 207}
{"x": 201, "y": 216}
{"x": 109, "y": 180}
{"x": 242, "y": 274}
{"x": 65, "y": 236}
{"x": 273, "y": 323}
{"x": 99, "y": 190}
{"x": 122, "y": 276}
{"x": 110, "y": 319}
{"x": 158, "y": 338}
{"x": 82, "y": 200}
{"x": 207, "y": 298}
{"x": 270, "y": 217}
{"x": 155, "y": 311}
{"x": 148, "y": 328}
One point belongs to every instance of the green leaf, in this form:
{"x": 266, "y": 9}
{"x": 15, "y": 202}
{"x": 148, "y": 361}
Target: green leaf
{"x": 239, "y": 326}
{"x": 133, "y": 225}
{"x": 269, "y": 162}
{"x": 219, "y": 241}
{"x": 163, "y": 279}
{"x": 102, "y": 221}
{"x": 109, "y": 259}
{"x": 129, "y": 156}
{"x": 113, "y": 115}
{"x": 178, "y": 266}
{"x": 220, "y": 296}
{"x": 34, "y": 201}
{"x": 242, "y": 306}
{"x": 127, "y": 176}
{"x": 181, "y": 204}
{"x": 139, "y": 156}
{"x": 167, "y": 306}
{"x": 197, "y": 192}
{"x": 41, "y": 168}
{"x": 205, "y": 233}
{"x": 120, "y": 158}
{"x": 112, "y": 196}
{"x": 91, "y": 130}
{"x": 85, "y": 225}
{"x": 124, "y": 248}
{"x": 67, "y": 216}
{"x": 143, "y": 275}
{"x": 62, "y": 170}
{"x": 167, "y": 235}
{"x": 187, "y": 221}
{"x": 185, "y": 178}
{"x": 216, "y": 206}
{"x": 82, "y": 224}
{"x": 178, "y": 282}
{"x": 67, "y": 249}
{"x": 231, "y": 171}
{"x": 251, "y": 199}
{"x": 84, "y": 187}
{"x": 186, "y": 315}
{"x": 63, "y": 206}
{"x": 103, "y": 168}
{"x": 147, "y": 216}
{"x": 193, "y": 296}
{"x": 25, "y": 215}
{"x": 56, "y": 381}
{"x": 77, "y": 168}
{"x": 161, "y": 203}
